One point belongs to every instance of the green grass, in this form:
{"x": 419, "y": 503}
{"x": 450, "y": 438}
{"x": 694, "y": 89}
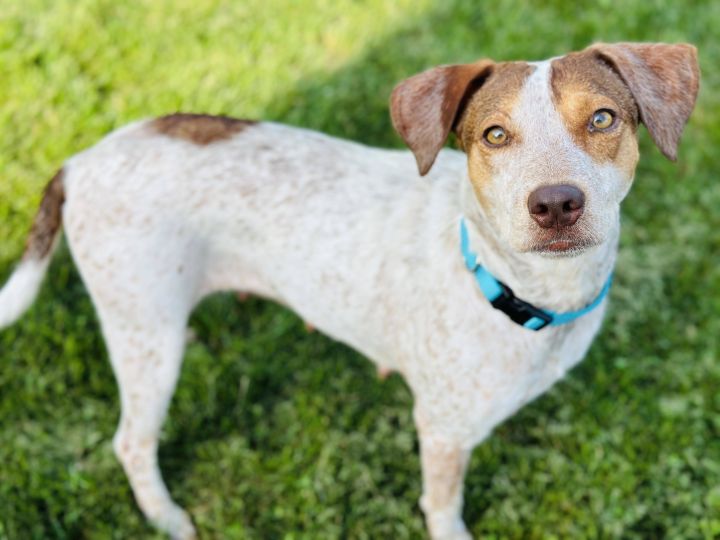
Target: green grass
{"x": 274, "y": 433}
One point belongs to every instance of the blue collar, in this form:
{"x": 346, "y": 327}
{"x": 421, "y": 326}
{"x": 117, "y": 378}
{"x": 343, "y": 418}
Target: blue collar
{"x": 501, "y": 296}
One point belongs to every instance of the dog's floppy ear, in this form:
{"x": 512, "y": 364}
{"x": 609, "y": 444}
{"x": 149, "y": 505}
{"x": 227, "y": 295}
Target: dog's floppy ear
{"x": 663, "y": 79}
{"x": 424, "y": 107}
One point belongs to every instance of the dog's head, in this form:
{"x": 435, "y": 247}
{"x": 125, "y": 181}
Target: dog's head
{"x": 551, "y": 146}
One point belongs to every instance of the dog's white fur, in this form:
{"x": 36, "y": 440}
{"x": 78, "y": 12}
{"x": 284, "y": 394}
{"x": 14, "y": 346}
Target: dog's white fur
{"x": 355, "y": 242}
{"x": 21, "y": 290}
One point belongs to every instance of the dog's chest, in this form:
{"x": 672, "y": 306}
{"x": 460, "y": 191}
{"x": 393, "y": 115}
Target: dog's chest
{"x": 488, "y": 367}
{"x": 523, "y": 369}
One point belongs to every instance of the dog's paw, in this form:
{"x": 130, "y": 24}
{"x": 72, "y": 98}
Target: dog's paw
{"x": 460, "y": 533}
{"x": 445, "y": 527}
{"x": 176, "y": 523}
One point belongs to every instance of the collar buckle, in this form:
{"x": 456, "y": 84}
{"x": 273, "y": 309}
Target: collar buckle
{"x": 519, "y": 311}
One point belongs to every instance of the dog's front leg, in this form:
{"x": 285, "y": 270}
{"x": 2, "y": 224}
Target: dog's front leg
{"x": 444, "y": 462}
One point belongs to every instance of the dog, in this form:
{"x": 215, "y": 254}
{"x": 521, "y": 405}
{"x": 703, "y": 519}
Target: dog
{"x": 481, "y": 276}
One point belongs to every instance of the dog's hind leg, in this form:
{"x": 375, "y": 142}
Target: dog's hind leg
{"x": 144, "y": 290}
{"x": 146, "y": 357}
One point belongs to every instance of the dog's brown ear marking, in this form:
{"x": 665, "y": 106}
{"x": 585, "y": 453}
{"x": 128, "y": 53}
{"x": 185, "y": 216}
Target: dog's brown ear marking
{"x": 200, "y": 129}
{"x": 664, "y": 81}
{"x": 424, "y": 107}
{"x": 47, "y": 221}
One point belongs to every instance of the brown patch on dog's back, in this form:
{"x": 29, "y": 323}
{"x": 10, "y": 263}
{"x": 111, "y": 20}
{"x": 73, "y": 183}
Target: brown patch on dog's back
{"x": 582, "y": 84}
{"x": 201, "y": 129}
{"x": 491, "y": 104}
{"x": 47, "y": 221}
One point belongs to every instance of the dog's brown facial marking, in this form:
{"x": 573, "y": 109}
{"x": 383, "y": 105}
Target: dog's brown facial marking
{"x": 491, "y": 105}
{"x": 588, "y": 94}
{"x": 497, "y": 96}
{"x": 201, "y": 129}
{"x": 47, "y": 221}
{"x": 664, "y": 80}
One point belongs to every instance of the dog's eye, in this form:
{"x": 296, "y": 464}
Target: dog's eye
{"x": 495, "y": 136}
{"x": 602, "y": 120}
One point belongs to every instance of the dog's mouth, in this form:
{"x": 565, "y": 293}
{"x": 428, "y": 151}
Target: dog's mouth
{"x": 562, "y": 244}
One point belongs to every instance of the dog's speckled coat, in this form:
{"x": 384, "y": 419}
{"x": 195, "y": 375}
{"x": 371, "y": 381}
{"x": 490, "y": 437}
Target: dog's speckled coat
{"x": 163, "y": 212}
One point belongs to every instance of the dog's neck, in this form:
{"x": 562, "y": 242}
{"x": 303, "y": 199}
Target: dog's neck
{"x": 555, "y": 283}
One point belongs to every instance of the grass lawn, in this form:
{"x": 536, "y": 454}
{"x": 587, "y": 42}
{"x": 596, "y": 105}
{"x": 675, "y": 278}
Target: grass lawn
{"x": 274, "y": 433}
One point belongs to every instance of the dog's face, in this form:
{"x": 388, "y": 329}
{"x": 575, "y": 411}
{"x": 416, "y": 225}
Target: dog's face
{"x": 550, "y": 162}
{"x": 551, "y": 146}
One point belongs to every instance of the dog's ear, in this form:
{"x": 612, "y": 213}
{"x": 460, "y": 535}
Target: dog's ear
{"x": 664, "y": 81}
{"x": 425, "y": 107}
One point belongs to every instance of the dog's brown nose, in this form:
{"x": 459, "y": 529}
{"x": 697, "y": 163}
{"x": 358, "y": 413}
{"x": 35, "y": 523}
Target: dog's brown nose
{"x": 556, "y": 206}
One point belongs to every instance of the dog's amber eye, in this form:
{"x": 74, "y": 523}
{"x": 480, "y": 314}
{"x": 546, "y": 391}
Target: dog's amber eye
{"x": 602, "y": 119}
{"x": 495, "y": 136}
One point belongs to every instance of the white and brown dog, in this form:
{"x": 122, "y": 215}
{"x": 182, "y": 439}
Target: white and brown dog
{"x": 481, "y": 283}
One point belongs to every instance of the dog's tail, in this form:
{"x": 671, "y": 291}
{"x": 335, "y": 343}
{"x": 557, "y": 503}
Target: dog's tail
{"x": 22, "y": 288}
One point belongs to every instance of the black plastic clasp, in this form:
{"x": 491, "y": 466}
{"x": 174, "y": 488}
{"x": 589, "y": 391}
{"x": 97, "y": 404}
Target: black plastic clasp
{"x": 519, "y": 310}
